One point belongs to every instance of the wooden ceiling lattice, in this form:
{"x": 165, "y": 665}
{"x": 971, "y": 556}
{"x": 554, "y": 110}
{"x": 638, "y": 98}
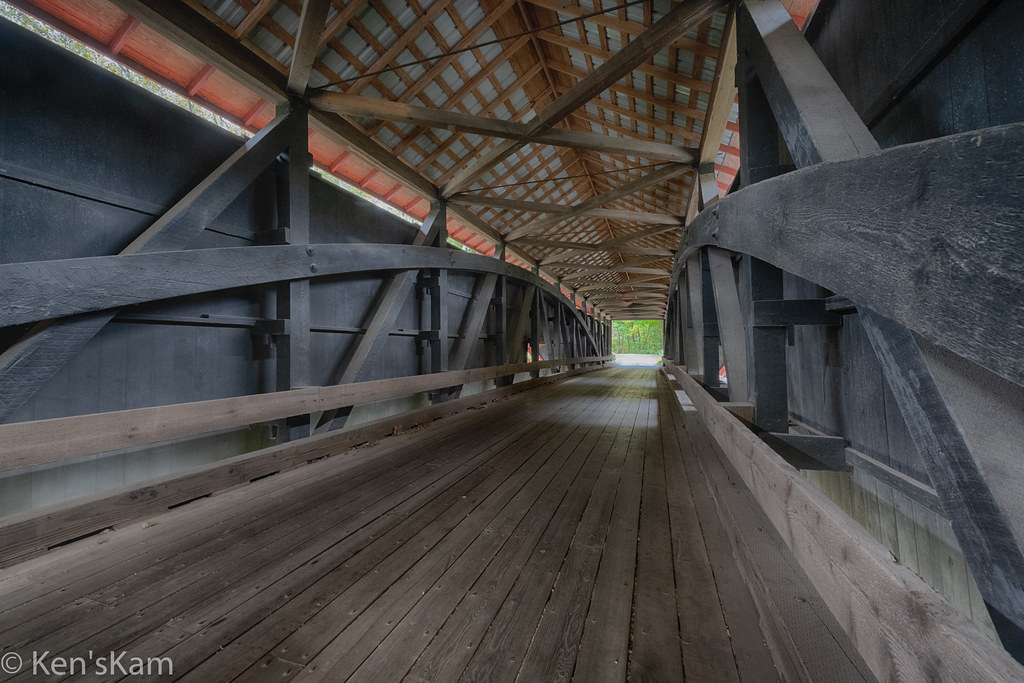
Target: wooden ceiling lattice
{"x": 489, "y": 103}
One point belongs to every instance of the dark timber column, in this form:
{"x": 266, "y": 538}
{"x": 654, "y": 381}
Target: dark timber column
{"x": 496, "y": 328}
{"x": 820, "y": 125}
{"x": 761, "y": 158}
{"x": 437, "y": 286}
{"x": 293, "y": 228}
{"x": 667, "y": 337}
{"x": 687, "y": 330}
{"x": 535, "y": 317}
{"x": 682, "y": 313}
{"x": 705, "y": 320}
{"x": 709, "y": 330}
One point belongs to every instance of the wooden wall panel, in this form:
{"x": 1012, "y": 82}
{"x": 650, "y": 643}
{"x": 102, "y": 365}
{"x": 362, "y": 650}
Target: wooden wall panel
{"x": 979, "y": 82}
{"x": 87, "y": 162}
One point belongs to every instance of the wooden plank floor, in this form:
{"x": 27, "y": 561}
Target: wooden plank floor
{"x": 552, "y": 536}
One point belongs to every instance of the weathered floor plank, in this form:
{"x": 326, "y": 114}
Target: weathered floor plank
{"x": 557, "y": 535}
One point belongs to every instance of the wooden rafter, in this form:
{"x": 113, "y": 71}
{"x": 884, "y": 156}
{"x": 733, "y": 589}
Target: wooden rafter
{"x": 450, "y": 134}
{"x": 682, "y": 17}
{"x": 629, "y": 188}
{"x": 620, "y": 25}
{"x": 354, "y": 105}
{"x": 255, "y": 15}
{"x": 564, "y": 210}
{"x": 311, "y": 24}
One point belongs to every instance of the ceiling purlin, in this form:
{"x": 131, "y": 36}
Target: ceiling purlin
{"x": 571, "y": 166}
{"x": 686, "y": 134}
{"x": 340, "y": 20}
{"x": 405, "y": 37}
{"x": 675, "y": 23}
{"x": 360, "y": 29}
{"x": 688, "y": 81}
{"x": 632, "y": 92}
{"x": 562, "y": 184}
{"x": 265, "y": 22}
{"x": 546, "y": 17}
{"x": 538, "y": 93}
{"x": 435, "y": 68}
{"x": 250, "y": 20}
{"x": 503, "y": 97}
{"x": 623, "y": 24}
{"x": 547, "y": 54}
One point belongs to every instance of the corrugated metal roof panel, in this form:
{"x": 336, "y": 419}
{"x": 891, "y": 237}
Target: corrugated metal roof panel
{"x": 271, "y": 44}
{"x": 446, "y": 27}
{"x": 426, "y": 44}
{"x": 377, "y": 26}
{"x": 471, "y": 13}
{"x": 451, "y": 78}
{"x": 504, "y": 74}
{"x": 402, "y": 13}
{"x": 412, "y": 156}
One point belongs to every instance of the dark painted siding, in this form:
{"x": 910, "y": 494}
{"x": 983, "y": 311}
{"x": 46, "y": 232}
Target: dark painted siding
{"x": 977, "y": 82}
{"x": 120, "y": 156}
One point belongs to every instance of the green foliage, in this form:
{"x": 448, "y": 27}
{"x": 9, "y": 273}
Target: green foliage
{"x": 637, "y": 336}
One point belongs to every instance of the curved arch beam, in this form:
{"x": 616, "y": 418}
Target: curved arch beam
{"x": 49, "y": 289}
{"x": 943, "y": 214}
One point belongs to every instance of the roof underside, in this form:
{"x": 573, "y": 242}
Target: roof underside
{"x": 594, "y": 187}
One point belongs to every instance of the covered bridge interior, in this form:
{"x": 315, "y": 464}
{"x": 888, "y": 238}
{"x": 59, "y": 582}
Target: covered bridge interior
{"x": 322, "y": 386}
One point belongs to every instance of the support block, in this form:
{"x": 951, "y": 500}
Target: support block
{"x": 786, "y": 312}
{"x": 820, "y": 452}
{"x": 744, "y": 411}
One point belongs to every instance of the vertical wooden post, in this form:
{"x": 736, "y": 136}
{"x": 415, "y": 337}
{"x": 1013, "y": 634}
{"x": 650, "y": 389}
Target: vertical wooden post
{"x": 439, "y": 321}
{"x": 709, "y": 318}
{"x": 293, "y": 355}
{"x": 683, "y": 358}
{"x": 761, "y": 158}
{"x": 496, "y": 327}
{"x": 696, "y": 336}
{"x": 820, "y": 125}
{"x": 768, "y": 386}
{"x": 535, "y": 315}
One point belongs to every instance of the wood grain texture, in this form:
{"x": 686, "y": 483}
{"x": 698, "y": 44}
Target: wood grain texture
{"x": 307, "y": 44}
{"x": 74, "y": 286}
{"x": 730, "y": 323}
{"x": 980, "y": 526}
{"x": 53, "y": 440}
{"x": 49, "y": 345}
{"x": 897, "y": 623}
{"x": 354, "y": 105}
{"x": 816, "y": 125}
{"x": 942, "y": 238}
{"x": 447, "y": 553}
{"x": 674, "y": 24}
{"x": 32, "y": 532}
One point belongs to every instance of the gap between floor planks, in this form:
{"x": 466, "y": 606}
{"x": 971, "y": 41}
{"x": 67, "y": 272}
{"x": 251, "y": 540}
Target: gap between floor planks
{"x": 509, "y": 550}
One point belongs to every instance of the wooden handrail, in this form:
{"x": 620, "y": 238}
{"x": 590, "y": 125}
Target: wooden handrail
{"x": 31, "y": 532}
{"x": 39, "y": 442}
